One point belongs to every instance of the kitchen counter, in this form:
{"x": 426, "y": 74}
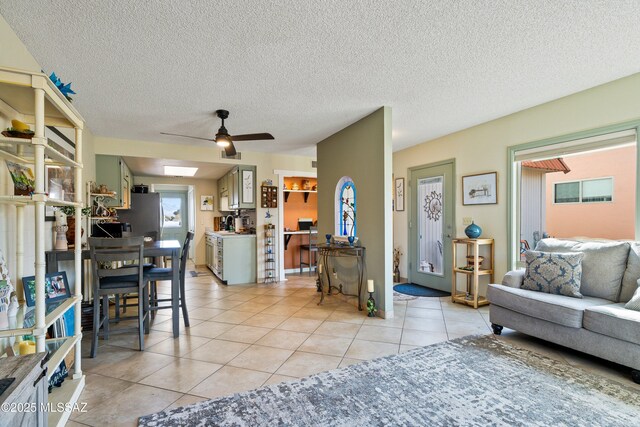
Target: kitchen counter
{"x": 231, "y": 257}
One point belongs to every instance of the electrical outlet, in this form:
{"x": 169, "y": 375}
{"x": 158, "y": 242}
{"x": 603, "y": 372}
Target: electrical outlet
{"x": 467, "y": 220}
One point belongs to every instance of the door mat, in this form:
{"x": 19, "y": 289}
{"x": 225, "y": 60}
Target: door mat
{"x": 419, "y": 291}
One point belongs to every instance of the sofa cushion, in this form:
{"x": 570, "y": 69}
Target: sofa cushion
{"x": 615, "y": 321}
{"x": 634, "y": 302}
{"x": 553, "y": 273}
{"x": 558, "y": 309}
{"x": 631, "y": 274}
{"x": 603, "y": 265}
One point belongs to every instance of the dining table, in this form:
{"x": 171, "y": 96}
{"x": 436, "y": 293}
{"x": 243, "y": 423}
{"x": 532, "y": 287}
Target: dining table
{"x": 152, "y": 249}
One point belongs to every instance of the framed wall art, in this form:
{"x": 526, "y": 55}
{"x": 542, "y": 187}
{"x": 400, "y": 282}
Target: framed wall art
{"x": 399, "y": 186}
{"x": 206, "y": 203}
{"x": 480, "y": 189}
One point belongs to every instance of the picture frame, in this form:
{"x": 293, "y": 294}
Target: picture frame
{"x": 56, "y": 288}
{"x": 59, "y": 184}
{"x": 480, "y": 189}
{"x": 247, "y": 186}
{"x": 206, "y": 203}
{"x": 399, "y": 194}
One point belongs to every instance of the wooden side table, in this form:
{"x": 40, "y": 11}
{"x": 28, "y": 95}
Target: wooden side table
{"x": 472, "y": 271}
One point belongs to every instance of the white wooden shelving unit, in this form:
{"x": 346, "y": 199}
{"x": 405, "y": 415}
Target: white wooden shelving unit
{"x": 34, "y": 99}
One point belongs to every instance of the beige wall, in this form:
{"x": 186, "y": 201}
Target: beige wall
{"x": 607, "y": 220}
{"x": 265, "y": 165}
{"x": 483, "y": 148}
{"x": 357, "y": 151}
{"x": 13, "y": 53}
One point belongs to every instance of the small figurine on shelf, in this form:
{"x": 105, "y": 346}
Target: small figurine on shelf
{"x": 61, "y": 229}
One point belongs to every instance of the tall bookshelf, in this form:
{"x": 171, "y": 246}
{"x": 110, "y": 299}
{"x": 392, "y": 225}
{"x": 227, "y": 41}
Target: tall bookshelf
{"x": 32, "y": 98}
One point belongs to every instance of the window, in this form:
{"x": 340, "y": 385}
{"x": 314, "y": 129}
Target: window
{"x": 172, "y": 208}
{"x": 585, "y": 191}
{"x": 345, "y": 207}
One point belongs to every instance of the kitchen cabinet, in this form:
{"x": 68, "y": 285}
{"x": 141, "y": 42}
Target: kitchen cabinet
{"x": 223, "y": 194}
{"x": 241, "y": 182}
{"x": 234, "y": 257}
{"x": 113, "y": 172}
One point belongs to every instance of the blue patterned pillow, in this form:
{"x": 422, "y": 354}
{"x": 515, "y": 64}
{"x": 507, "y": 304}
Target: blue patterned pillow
{"x": 553, "y": 273}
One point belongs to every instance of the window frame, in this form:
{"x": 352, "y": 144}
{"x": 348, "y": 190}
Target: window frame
{"x": 581, "y": 181}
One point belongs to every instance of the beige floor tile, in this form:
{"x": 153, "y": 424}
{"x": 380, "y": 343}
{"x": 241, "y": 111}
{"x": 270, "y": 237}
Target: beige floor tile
{"x": 244, "y": 333}
{"x": 421, "y": 324}
{"x": 289, "y": 340}
{"x": 209, "y": 329}
{"x": 130, "y": 340}
{"x": 204, "y": 313}
{"x": 471, "y": 316}
{"x": 280, "y": 292}
{"x": 352, "y": 316}
{"x": 424, "y": 313}
{"x": 395, "y": 322}
{"x": 338, "y": 329}
{"x": 433, "y": 303}
{"x": 229, "y": 380}
{"x": 312, "y": 313}
{"x": 252, "y": 307}
{"x": 323, "y": 344}
{"x": 123, "y": 409}
{"x": 233, "y": 316}
{"x": 303, "y": 364}
{"x": 240, "y": 296}
{"x": 366, "y": 350}
{"x": 465, "y": 328}
{"x": 261, "y": 358}
{"x": 422, "y": 338}
{"x": 224, "y": 304}
{"x": 181, "y": 375}
{"x": 71, "y": 423}
{"x": 379, "y": 333}
{"x": 347, "y": 362}
{"x": 99, "y": 389}
{"x": 277, "y": 379}
{"x": 135, "y": 367}
{"x": 265, "y": 320}
{"x": 179, "y": 346}
{"x": 300, "y": 325}
{"x": 217, "y": 351}
{"x": 167, "y": 326}
{"x": 267, "y": 299}
{"x": 187, "y": 399}
{"x": 281, "y": 310}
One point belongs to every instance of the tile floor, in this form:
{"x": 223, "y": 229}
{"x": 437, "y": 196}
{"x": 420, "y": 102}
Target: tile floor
{"x": 243, "y": 337}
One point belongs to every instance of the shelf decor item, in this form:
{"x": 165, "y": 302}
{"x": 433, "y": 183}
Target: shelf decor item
{"x": 65, "y": 89}
{"x": 24, "y": 181}
{"x": 473, "y": 231}
{"x": 328, "y": 237}
{"x": 480, "y": 189}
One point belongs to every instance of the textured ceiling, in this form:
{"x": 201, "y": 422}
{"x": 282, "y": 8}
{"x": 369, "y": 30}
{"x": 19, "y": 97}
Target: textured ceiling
{"x": 303, "y": 69}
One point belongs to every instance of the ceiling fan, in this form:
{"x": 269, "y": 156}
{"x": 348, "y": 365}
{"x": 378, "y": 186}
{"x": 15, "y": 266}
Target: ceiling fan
{"x": 223, "y": 139}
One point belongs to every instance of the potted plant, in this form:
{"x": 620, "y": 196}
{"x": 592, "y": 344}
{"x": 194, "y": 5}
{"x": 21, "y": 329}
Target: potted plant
{"x": 70, "y": 212}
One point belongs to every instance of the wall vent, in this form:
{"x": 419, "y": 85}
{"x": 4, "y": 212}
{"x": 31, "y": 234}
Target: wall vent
{"x": 314, "y": 164}
{"x": 238, "y": 155}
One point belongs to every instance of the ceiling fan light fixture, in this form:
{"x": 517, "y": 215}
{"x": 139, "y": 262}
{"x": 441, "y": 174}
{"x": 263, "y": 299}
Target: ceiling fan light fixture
{"x": 223, "y": 140}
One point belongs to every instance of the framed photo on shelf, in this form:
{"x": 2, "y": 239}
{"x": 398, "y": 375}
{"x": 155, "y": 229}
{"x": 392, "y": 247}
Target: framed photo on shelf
{"x": 480, "y": 189}
{"x": 56, "y": 288}
{"x": 399, "y": 193}
{"x": 206, "y": 203}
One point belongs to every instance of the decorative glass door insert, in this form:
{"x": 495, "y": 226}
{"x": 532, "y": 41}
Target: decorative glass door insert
{"x": 430, "y": 225}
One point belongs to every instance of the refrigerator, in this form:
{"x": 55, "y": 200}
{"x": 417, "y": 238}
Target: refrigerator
{"x": 145, "y": 215}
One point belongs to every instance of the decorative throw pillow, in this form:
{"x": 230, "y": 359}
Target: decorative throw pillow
{"x": 553, "y": 273}
{"x": 634, "y": 302}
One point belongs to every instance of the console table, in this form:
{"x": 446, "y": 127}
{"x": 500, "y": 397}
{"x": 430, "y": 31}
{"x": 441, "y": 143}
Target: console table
{"x": 327, "y": 254}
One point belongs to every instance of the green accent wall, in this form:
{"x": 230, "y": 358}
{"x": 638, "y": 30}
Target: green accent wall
{"x": 363, "y": 152}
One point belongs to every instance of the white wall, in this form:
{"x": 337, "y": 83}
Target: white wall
{"x": 483, "y": 148}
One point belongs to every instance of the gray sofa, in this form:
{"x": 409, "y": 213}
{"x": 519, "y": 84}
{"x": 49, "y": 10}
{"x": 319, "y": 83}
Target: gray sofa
{"x": 596, "y": 324}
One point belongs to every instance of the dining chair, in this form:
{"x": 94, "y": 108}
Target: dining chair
{"x": 148, "y": 263}
{"x": 117, "y": 265}
{"x": 153, "y": 275}
{"x": 311, "y": 249}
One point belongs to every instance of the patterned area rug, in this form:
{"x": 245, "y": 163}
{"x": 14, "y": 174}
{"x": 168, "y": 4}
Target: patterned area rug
{"x": 471, "y": 381}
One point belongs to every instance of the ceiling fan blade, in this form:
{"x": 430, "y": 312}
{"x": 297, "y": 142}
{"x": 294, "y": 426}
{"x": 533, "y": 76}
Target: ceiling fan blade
{"x": 230, "y": 150}
{"x": 252, "y": 137}
{"x": 187, "y": 136}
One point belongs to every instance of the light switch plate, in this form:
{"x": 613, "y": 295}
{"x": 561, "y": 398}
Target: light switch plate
{"x": 467, "y": 220}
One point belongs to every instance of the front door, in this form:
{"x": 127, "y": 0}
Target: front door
{"x": 175, "y": 215}
{"x": 431, "y": 225}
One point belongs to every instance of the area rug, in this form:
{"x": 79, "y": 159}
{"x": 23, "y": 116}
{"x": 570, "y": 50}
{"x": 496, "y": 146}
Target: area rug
{"x": 419, "y": 291}
{"x": 471, "y": 381}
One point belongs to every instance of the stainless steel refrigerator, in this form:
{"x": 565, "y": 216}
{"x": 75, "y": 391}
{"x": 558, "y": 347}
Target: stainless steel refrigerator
{"x": 145, "y": 215}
